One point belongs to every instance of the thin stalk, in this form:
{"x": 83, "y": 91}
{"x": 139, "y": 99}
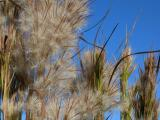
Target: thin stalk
{"x": 5, "y": 77}
{"x": 126, "y": 70}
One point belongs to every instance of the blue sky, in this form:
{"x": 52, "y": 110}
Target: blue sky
{"x": 125, "y": 12}
{"x": 146, "y": 35}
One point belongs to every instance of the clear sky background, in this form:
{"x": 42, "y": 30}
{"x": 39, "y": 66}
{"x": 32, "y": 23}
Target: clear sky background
{"x": 146, "y": 35}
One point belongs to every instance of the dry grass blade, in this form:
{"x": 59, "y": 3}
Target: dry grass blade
{"x": 144, "y": 102}
{"x": 132, "y": 54}
{"x": 83, "y": 39}
{"x": 158, "y": 66}
{"x": 126, "y": 70}
{"x": 106, "y": 42}
{"x": 99, "y": 22}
